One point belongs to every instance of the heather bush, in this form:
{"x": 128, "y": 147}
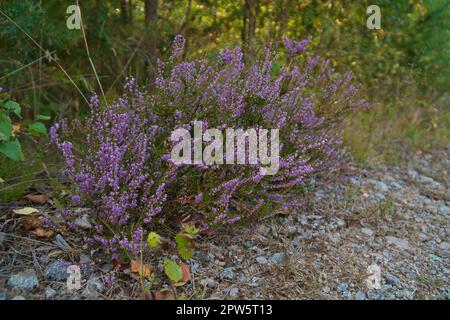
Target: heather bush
{"x": 122, "y": 171}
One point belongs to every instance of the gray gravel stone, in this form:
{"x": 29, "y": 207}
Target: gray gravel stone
{"x": 208, "y": 283}
{"x": 296, "y": 243}
{"x": 18, "y": 298}
{"x": 256, "y": 281}
{"x": 340, "y": 223}
{"x": 248, "y": 244}
{"x": 347, "y": 295}
{"x": 49, "y": 293}
{"x": 366, "y": 231}
{"x": 85, "y": 259}
{"x": 195, "y": 267}
{"x": 380, "y": 185}
{"x": 342, "y": 286}
{"x": 107, "y": 267}
{"x": 83, "y": 222}
{"x": 360, "y": 295}
{"x": 392, "y": 279}
{"x": 234, "y": 292}
{"x": 278, "y": 257}
{"x": 400, "y": 243}
{"x": 445, "y": 210}
{"x": 95, "y": 284}
{"x": 408, "y": 294}
{"x": 413, "y": 174}
{"x": 56, "y": 271}
{"x": 26, "y": 280}
{"x": 396, "y": 185}
{"x": 227, "y": 273}
{"x": 375, "y": 294}
{"x": 262, "y": 260}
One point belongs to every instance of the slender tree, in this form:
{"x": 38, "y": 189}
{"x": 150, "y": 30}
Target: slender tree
{"x": 250, "y": 14}
{"x": 151, "y": 15}
{"x": 124, "y": 11}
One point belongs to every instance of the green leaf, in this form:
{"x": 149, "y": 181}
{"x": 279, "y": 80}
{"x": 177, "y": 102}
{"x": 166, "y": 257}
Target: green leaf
{"x": 12, "y": 150}
{"x": 153, "y": 240}
{"x": 183, "y": 245}
{"x": 14, "y": 107}
{"x": 37, "y": 128}
{"x": 43, "y": 117}
{"x": 190, "y": 229}
{"x": 5, "y": 126}
{"x": 173, "y": 270}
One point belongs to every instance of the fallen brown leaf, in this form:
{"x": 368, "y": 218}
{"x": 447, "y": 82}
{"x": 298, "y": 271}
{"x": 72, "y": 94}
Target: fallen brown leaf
{"x": 37, "y": 198}
{"x": 163, "y": 295}
{"x": 32, "y": 222}
{"x": 186, "y": 273}
{"x": 144, "y": 270}
{"x": 42, "y": 233}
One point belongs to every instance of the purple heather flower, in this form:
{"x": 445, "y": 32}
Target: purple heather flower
{"x": 295, "y": 48}
{"x": 123, "y": 172}
{"x": 178, "y": 47}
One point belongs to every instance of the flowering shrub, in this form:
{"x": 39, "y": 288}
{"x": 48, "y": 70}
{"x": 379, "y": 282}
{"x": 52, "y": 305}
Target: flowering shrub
{"x": 122, "y": 170}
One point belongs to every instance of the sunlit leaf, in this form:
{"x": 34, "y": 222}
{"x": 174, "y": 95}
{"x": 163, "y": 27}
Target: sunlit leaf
{"x": 153, "y": 240}
{"x": 26, "y": 211}
{"x": 173, "y": 270}
{"x": 183, "y": 246}
{"x": 190, "y": 229}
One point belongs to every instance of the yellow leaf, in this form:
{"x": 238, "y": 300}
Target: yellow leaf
{"x": 16, "y": 127}
{"x": 26, "y": 211}
{"x": 2, "y": 181}
{"x": 153, "y": 240}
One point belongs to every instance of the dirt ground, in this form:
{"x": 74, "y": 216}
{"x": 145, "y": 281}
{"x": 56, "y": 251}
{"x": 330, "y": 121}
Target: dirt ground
{"x": 394, "y": 219}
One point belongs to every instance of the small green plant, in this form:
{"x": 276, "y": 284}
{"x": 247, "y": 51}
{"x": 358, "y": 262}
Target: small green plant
{"x": 153, "y": 240}
{"x": 9, "y": 143}
{"x": 173, "y": 270}
{"x": 184, "y": 241}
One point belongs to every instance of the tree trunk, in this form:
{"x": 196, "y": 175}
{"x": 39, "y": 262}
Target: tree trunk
{"x": 151, "y": 11}
{"x": 244, "y": 26}
{"x": 250, "y": 15}
{"x": 185, "y": 27}
{"x": 283, "y": 16}
{"x": 151, "y": 15}
{"x": 130, "y": 10}
{"x": 124, "y": 11}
